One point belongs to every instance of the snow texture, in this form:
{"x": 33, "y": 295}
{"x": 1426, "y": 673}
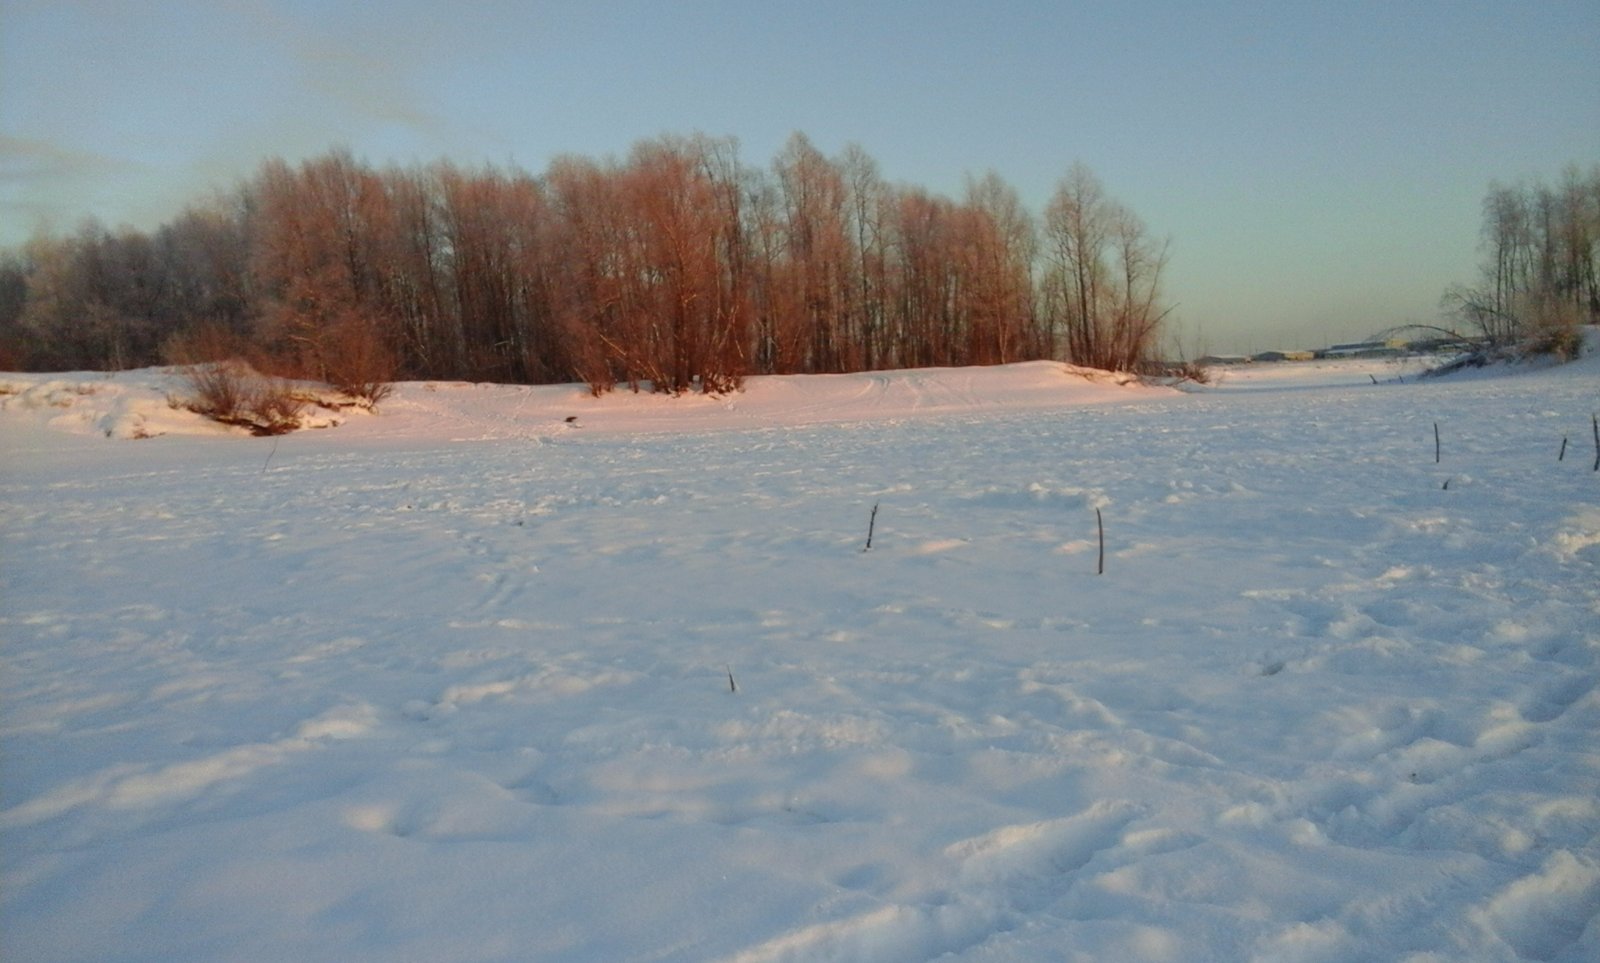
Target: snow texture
{"x": 456, "y": 680}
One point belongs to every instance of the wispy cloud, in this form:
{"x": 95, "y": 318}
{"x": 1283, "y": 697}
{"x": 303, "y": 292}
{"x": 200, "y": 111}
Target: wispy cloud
{"x": 356, "y": 72}
{"x": 44, "y": 185}
{"x": 34, "y": 162}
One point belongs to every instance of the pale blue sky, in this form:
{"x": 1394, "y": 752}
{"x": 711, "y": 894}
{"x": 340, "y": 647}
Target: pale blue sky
{"x": 1319, "y": 167}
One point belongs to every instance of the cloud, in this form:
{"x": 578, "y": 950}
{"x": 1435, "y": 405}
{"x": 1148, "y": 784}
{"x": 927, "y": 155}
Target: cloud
{"x": 44, "y": 185}
{"x": 36, "y": 163}
{"x": 357, "y": 70}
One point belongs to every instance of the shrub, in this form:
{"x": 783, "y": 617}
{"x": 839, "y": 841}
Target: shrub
{"x": 233, "y": 393}
{"x": 357, "y": 362}
{"x": 221, "y": 389}
{"x": 1175, "y": 372}
{"x": 1191, "y": 371}
{"x": 1563, "y": 341}
{"x": 208, "y": 342}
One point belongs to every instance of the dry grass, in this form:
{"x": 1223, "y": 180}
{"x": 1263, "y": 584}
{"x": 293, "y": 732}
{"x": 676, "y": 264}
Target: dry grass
{"x": 1176, "y": 372}
{"x": 234, "y": 393}
{"x": 1564, "y": 342}
{"x": 237, "y": 383}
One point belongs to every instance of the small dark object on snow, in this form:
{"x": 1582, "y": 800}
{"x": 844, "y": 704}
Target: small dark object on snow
{"x": 571, "y": 419}
{"x": 1100, "y": 523}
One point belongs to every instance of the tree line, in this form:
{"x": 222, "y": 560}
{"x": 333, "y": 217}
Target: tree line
{"x": 1539, "y": 277}
{"x": 678, "y": 267}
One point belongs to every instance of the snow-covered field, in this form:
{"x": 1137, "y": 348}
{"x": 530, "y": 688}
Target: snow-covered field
{"x": 452, "y": 681}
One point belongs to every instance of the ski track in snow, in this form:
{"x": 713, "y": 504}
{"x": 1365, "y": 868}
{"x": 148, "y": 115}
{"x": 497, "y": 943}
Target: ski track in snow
{"x": 453, "y": 682}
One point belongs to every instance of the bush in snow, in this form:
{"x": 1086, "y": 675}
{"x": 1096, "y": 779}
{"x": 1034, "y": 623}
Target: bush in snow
{"x": 234, "y": 393}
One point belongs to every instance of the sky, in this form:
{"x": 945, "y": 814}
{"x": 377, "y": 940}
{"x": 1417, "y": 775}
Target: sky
{"x": 1318, "y": 167}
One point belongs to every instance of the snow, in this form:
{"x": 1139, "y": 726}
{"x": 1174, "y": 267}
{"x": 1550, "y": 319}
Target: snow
{"x": 452, "y": 681}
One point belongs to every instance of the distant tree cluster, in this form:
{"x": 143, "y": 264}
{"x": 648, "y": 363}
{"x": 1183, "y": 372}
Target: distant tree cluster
{"x": 678, "y": 267}
{"x": 1539, "y": 277}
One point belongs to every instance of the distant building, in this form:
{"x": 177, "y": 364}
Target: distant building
{"x": 1284, "y": 356}
{"x": 1216, "y": 359}
{"x": 1365, "y": 349}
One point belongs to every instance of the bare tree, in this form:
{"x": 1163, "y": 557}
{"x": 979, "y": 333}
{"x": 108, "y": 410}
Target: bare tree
{"x": 923, "y": 321}
{"x": 205, "y": 256}
{"x": 1076, "y": 232}
{"x": 1539, "y": 275}
{"x": 16, "y": 349}
{"x": 1102, "y": 280}
{"x": 96, "y": 299}
{"x": 818, "y": 253}
{"x": 866, "y": 200}
{"x": 1137, "y": 311}
{"x": 678, "y": 266}
{"x": 322, "y": 233}
{"x": 774, "y": 297}
{"x": 728, "y": 335}
{"x": 1001, "y": 247}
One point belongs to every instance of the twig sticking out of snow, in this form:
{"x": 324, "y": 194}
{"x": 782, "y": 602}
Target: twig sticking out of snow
{"x": 732, "y": 685}
{"x": 1100, "y": 523}
{"x": 1595, "y": 421}
{"x": 1437, "y": 452}
{"x": 872, "y": 521}
{"x": 1563, "y": 455}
